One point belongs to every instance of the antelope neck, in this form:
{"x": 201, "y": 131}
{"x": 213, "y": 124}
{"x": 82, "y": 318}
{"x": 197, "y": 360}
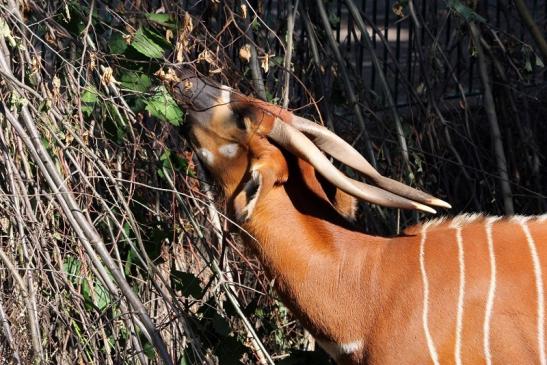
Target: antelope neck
{"x": 317, "y": 265}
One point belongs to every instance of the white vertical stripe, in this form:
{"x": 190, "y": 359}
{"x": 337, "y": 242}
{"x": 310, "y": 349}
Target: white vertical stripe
{"x": 491, "y": 290}
{"x": 459, "y": 316}
{"x": 425, "y": 313}
{"x": 539, "y": 288}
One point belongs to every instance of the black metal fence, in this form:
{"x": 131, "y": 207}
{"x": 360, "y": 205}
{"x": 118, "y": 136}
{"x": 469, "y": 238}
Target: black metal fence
{"x": 397, "y": 37}
{"x": 396, "y": 40}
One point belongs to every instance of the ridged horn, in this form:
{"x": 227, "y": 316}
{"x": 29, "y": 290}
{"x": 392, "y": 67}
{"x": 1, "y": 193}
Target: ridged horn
{"x": 298, "y": 144}
{"x": 336, "y": 147}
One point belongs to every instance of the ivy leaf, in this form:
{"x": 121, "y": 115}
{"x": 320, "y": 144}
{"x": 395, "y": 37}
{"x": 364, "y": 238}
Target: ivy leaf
{"x": 187, "y": 283}
{"x": 163, "y": 19}
{"x": 135, "y": 81}
{"x": 99, "y": 296}
{"x": 71, "y": 266}
{"x": 117, "y": 44}
{"x": 162, "y": 106}
{"x": 147, "y": 43}
{"x": 88, "y": 99}
{"x": 149, "y": 350}
{"x": 464, "y": 11}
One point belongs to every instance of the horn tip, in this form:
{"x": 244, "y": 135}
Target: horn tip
{"x": 424, "y": 208}
{"x": 439, "y": 203}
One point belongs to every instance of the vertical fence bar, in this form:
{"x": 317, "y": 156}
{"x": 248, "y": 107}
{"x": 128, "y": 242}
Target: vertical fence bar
{"x": 448, "y": 32}
{"x": 374, "y": 21}
{"x": 398, "y": 60}
{"x": 386, "y": 33}
{"x": 424, "y": 17}
{"x": 499, "y": 14}
{"x": 409, "y": 55}
{"x": 387, "y": 8}
{"x": 350, "y": 30}
{"x": 339, "y": 15}
{"x": 360, "y": 50}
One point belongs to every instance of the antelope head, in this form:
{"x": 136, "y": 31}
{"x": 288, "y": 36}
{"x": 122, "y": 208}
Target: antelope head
{"x": 242, "y": 142}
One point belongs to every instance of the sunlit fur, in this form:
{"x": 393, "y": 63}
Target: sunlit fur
{"x": 364, "y": 297}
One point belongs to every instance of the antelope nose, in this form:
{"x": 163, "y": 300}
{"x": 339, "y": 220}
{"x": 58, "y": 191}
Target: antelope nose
{"x": 195, "y": 93}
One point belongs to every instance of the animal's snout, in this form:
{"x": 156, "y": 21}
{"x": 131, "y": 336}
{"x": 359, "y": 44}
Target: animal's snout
{"x": 190, "y": 91}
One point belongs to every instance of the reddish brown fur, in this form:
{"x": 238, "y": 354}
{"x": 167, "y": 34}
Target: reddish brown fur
{"x": 346, "y": 286}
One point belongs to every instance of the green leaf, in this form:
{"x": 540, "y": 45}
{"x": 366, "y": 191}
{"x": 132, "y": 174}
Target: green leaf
{"x": 149, "y": 350}
{"x": 114, "y": 122}
{"x": 101, "y": 296}
{"x": 162, "y": 106}
{"x": 334, "y": 20}
{"x": 259, "y": 312}
{"x": 172, "y": 161}
{"x": 45, "y": 143}
{"x": 464, "y": 11}
{"x": 187, "y": 283}
{"x": 163, "y": 19}
{"x": 147, "y": 43}
{"x": 184, "y": 359}
{"x": 89, "y": 98}
{"x": 255, "y": 24}
{"x": 17, "y": 100}
{"x": 5, "y": 32}
{"x": 71, "y": 266}
{"x": 117, "y": 44}
{"x": 165, "y": 158}
{"x": 131, "y": 257}
{"x": 136, "y": 81}
{"x": 95, "y": 294}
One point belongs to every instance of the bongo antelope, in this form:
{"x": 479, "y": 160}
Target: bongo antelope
{"x": 464, "y": 290}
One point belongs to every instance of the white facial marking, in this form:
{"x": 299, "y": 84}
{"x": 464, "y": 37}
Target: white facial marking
{"x": 335, "y": 350}
{"x": 229, "y": 150}
{"x": 206, "y": 156}
{"x": 225, "y": 94}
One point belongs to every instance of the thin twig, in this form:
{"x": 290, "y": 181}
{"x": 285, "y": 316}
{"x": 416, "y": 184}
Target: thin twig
{"x": 491, "y": 114}
{"x": 291, "y": 15}
{"x": 387, "y": 92}
{"x": 534, "y": 30}
{"x": 354, "y": 103}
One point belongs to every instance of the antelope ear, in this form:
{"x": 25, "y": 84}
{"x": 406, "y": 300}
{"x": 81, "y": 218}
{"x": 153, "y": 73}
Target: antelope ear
{"x": 344, "y": 203}
{"x": 265, "y": 173}
{"x": 245, "y": 200}
{"x": 268, "y": 168}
